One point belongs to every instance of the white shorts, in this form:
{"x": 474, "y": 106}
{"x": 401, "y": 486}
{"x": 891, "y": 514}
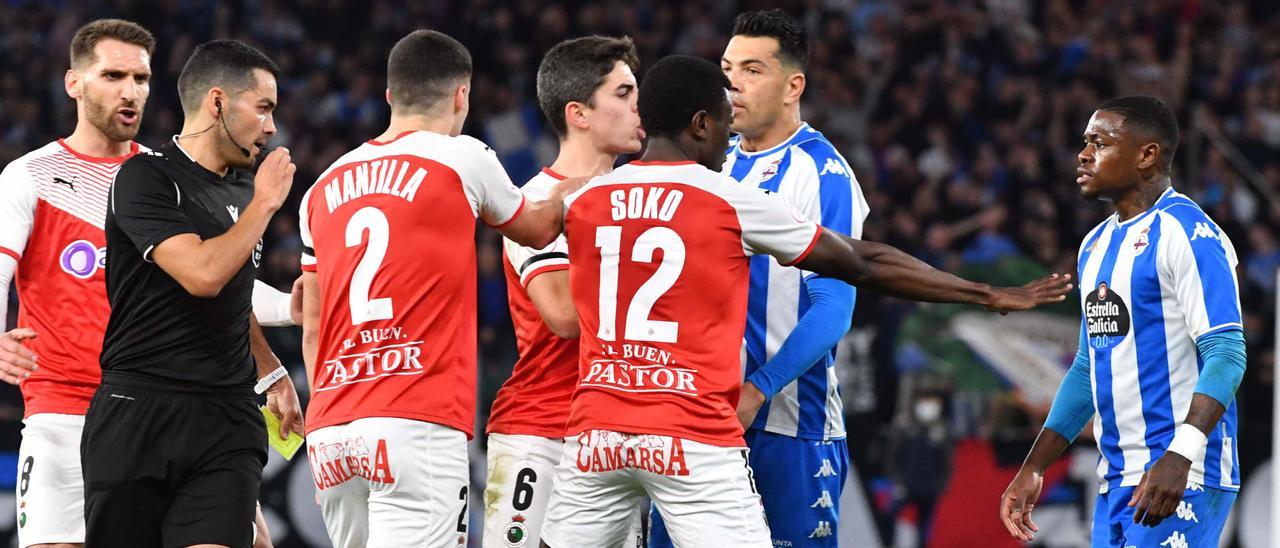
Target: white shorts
{"x": 521, "y": 470}
{"x": 50, "y": 484}
{"x": 387, "y": 482}
{"x": 704, "y": 492}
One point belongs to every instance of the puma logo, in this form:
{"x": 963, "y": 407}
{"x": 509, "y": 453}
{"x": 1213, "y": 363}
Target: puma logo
{"x": 61, "y": 181}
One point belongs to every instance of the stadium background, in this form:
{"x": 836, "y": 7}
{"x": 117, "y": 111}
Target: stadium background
{"x": 961, "y": 119}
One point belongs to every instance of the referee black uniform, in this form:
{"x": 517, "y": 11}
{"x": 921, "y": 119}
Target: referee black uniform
{"x": 173, "y": 444}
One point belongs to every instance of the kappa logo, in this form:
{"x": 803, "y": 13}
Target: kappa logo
{"x": 823, "y": 501}
{"x": 826, "y": 470}
{"x": 1176, "y": 540}
{"x": 1186, "y": 512}
{"x": 833, "y": 166}
{"x": 1192, "y": 486}
{"x": 1204, "y": 230}
{"x": 822, "y": 530}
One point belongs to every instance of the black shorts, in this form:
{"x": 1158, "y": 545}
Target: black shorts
{"x": 164, "y": 468}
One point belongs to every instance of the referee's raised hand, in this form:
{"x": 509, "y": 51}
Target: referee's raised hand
{"x": 16, "y": 361}
{"x": 274, "y": 179}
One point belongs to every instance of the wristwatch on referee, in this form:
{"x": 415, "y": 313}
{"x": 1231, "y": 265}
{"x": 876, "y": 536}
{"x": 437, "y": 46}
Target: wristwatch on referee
{"x": 265, "y": 382}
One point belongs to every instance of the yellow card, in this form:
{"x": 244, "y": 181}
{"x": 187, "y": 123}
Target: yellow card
{"x": 287, "y": 448}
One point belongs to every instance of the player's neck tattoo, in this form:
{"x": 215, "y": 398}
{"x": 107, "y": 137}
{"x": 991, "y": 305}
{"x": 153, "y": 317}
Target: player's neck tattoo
{"x": 1145, "y": 196}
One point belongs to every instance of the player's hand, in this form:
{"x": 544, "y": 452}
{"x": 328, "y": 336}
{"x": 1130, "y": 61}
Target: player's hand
{"x": 1049, "y": 289}
{"x": 1018, "y": 501}
{"x": 1160, "y": 490}
{"x": 282, "y": 399}
{"x": 16, "y": 361}
{"x": 750, "y": 399}
{"x": 295, "y": 302}
{"x": 566, "y": 187}
{"x": 274, "y": 179}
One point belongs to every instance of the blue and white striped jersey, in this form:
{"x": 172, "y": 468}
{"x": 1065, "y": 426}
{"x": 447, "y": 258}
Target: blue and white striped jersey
{"x": 1152, "y": 286}
{"x": 809, "y": 173}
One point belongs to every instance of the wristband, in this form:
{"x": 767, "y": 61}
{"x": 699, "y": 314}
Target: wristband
{"x": 265, "y": 382}
{"x": 1189, "y": 442}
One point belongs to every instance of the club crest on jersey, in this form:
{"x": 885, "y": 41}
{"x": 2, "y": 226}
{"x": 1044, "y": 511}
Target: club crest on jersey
{"x": 1106, "y": 317}
{"x": 770, "y": 170}
{"x": 516, "y": 533}
{"x": 82, "y": 259}
{"x": 1142, "y": 242}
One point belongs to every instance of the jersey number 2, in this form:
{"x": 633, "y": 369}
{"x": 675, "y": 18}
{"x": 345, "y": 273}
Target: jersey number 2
{"x": 638, "y": 327}
{"x": 364, "y": 309}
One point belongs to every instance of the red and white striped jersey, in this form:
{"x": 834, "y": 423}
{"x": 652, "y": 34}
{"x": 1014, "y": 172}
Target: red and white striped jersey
{"x": 389, "y": 230}
{"x": 535, "y": 400}
{"x": 53, "y": 202}
{"x": 659, "y": 273}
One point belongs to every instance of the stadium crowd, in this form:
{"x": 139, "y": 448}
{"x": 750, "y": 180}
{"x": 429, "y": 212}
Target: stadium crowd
{"x": 961, "y": 118}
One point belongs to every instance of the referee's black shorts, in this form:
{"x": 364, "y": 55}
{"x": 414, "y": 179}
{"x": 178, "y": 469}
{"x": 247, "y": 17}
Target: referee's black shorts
{"x": 170, "y": 467}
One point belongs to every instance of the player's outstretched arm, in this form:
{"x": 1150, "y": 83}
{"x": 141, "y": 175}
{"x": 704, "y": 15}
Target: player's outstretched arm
{"x": 541, "y": 222}
{"x": 885, "y": 269}
{"x": 203, "y": 267}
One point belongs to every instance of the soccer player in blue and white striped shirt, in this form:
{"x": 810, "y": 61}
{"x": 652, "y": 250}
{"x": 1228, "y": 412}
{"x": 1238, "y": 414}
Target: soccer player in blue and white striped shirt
{"x": 1161, "y": 348}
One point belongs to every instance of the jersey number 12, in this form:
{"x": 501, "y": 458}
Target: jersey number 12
{"x": 638, "y": 326}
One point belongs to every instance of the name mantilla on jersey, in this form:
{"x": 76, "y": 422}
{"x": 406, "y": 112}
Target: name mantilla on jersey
{"x": 382, "y": 176}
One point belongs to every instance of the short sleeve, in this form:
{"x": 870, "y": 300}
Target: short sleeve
{"x": 1199, "y": 262}
{"x": 18, "y": 197}
{"x": 308, "y": 258}
{"x": 770, "y": 226}
{"x": 494, "y": 198}
{"x": 529, "y": 262}
{"x": 146, "y": 206}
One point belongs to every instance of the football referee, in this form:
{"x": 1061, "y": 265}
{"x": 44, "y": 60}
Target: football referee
{"x": 173, "y": 444}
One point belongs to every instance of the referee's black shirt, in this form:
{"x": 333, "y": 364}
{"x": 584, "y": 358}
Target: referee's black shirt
{"x": 158, "y": 332}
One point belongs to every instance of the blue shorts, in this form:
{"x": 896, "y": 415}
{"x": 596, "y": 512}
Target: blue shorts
{"x": 800, "y": 483}
{"x": 1198, "y": 522}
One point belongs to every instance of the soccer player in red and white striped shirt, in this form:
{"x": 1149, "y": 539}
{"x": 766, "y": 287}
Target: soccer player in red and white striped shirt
{"x": 53, "y": 202}
{"x": 587, "y": 90}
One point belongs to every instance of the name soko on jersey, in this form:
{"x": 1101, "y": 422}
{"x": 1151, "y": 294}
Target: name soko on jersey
{"x": 606, "y": 451}
{"x": 640, "y": 368}
{"x": 652, "y": 202}
{"x": 1106, "y": 317}
{"x": 392, "y": 353}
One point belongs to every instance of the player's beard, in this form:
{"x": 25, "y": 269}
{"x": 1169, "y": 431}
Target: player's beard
{"x": 103, "y": 118}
